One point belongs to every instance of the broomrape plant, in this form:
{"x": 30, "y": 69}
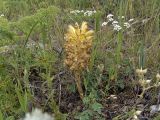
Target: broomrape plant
{"x": 146, "y": 83}
{"x": 78, "y": 51}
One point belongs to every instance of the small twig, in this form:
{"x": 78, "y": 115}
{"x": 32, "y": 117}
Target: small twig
{"x": 60, "y": 90}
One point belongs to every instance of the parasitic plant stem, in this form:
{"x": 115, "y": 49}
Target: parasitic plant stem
{"x": 79, "y": 84}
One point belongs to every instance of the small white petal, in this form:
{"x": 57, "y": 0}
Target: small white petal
{"x": 130, "y": 20}
{"x": 117, "y": 27}
{"x": 109, "y": 15}
{"x": 127, "y": 25}
{"x": 115, "y": 22}
{"x": 113, "y": 96}
{"x": 138, "y": 112}
{"x": 135, "y": 117}
{"x": 148, "y": 81}
{"x": 110, "y": 19}
{"x": 104, "y": 23}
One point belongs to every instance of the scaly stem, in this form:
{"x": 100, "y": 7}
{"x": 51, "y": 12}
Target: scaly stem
{"x": 78, "y": 83}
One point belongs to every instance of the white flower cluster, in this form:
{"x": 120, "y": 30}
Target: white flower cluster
{"x": 115, "y": 23}
{"x": 109, "y": 17}
{"x": 127, "y": 25}
{"x": 116, "y": 27}
{"x": 38, "y": 115}
{"x": 85, "y": 13}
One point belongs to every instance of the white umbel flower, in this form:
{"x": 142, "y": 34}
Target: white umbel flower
{"x": 85, "y": 13}
{"x": 117, "y": 27}
{"x": 89, "y": 13}
{"x": 38, "y": 115}
{"x": 127, "y": 25}
{"x": 110, "y": 19}
{"x": 131, "y": 20}
{"x": 104, "y": 24}
{"x": 109, "y": 15}
{"x": 114, "y": 22}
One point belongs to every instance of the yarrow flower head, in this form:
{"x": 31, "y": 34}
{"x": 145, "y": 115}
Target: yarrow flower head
{"x": 38, "y": 115}
{"x": 89, "y": 13}
{"x": 115, "y": 23}
{"x": 117, "y": 27}
{"x": 131, "y": 20}
{"x": 85, "y": 13}
{"x": 127, "y": 25}
{"x": 110, "y": 16}
{"x": 76, "y": 12}
{"x": 104, "y": 24}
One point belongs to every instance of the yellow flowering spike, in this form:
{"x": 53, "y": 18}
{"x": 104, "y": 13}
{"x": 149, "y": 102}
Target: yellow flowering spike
{"x": 71, "y": 29}
{"x": 78, "y": 49}
{"x": 78, "y": 34}
{"x": 78, "y": 43}
{"x": 89, "y": 33}
{"x": 84, "y": 27}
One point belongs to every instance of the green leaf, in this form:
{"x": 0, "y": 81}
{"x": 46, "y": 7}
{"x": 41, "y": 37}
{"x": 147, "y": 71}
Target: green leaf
{"x": 1, "y": 115}
{"x": 10, "y": 118}
{"x": 85, "y": 115}
{"x": 97, "y": 107}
